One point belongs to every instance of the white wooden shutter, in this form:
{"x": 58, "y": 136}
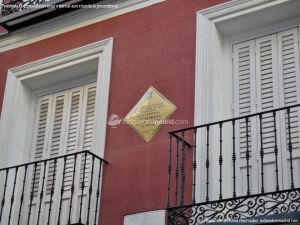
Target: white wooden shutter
{"x": 267, "y": 99}
{"x": 72, "y": 136}
{"x": 64, "y": 125}
{"x": 244, "y": 98}
{"x": 88, "y": 128}
{"x": 276, "y": 84}
{"x": 55, "y": 135}
{"x": 89, "y": 118}
{"x": 85, "y": 144}
{"x": 43, "y": 112}
{"x": 289, "y": 82}
{"x": 49, "y": 139}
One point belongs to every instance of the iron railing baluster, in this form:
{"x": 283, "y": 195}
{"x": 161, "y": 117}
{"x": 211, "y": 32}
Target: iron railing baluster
{"x": 290, "y": 147}
{"x": 42, "y": 193}
{"x": 233, "y": 159}
{"x": 13, "y": 195}
{"x": 72, "y": 189}
{"x": 207, "y": 163}
{"x": 97, "y": 194}
{"x": 177, "y": 171}
{"x": 221, "y": 161}
{"x": 4, "y": 192}
{"x": 90, "y": 191}
{"x": 276, "y": 151}
{"x": 182, "y": 170}
{"x": 194, "y": 165}
{"x": 247, "y": 155}
{"x": 52, "y": 192}
{"x": 22, "y": 195}
{"x": 169, "y": 171}
{"x": 32, "y": 193}
{"x": 62, "y": 190}
{"x": 82, "y": 188}
{"x": 261, "y": 153}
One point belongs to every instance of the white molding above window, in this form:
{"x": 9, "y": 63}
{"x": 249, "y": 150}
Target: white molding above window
{"x": 235, "y": 8}
{"x": 217, "y": 28}
{"x": 24, "y": 84}
{"x": 68, "y": 22}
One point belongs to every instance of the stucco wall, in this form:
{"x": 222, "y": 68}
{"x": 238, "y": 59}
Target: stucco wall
{"x": 152, "y": 46}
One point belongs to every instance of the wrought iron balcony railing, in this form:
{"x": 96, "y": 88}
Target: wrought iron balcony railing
{"x": 13, "y": 6}
{"x": 16, "y": 14}
{"x": 236, "y": 169}
{"x": 60, "y": 190}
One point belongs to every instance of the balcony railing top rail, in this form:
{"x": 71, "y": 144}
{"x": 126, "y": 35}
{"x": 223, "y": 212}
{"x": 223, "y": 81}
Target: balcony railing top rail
{"x": 232, "y": 119}
{"x": 248, "y": 167}
{"x": 54, "y": 158}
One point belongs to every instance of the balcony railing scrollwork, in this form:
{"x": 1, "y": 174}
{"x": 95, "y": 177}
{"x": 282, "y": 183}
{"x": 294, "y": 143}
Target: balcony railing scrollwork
{"x": 18, "y": 5}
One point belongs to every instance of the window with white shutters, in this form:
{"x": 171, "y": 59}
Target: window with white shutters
{"x": 266, "y": 76}
{"x": 64, "y": 125}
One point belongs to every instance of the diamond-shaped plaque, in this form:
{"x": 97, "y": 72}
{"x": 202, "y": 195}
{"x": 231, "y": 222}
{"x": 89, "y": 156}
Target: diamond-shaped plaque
{"x": 150, "y": 113}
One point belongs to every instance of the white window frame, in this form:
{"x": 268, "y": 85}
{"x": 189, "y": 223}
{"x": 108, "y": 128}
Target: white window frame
{"x": 17, "y": 118}
{"x": 218, "y": 28}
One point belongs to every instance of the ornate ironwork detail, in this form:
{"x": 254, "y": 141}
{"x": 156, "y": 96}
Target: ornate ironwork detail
{"x": 241, "y": 208}
{"x": 18, "y": 5}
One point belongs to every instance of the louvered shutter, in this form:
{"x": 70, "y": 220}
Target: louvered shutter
{"x": 64, "y": 125}
{"x": 276, "y": 84}
{"x": 40, "y": 142}
{"x": 41, "y": 132}
{"x": 56, "y": 136}
{"x": 267, "y": 99}
{"x": 72, "y": 136}
{"x": 48, "y": 142}
{"x": 88, "y": 129}
{"x": 72, "y": 143}
{"x": 289, "y": 82}
{"x": 244, "y": 98}
{"x": 84, "y": 132}
{"x": 48, "y": 138}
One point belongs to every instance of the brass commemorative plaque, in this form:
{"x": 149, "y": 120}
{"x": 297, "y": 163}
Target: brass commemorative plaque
{"x": 150, "y": 113}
